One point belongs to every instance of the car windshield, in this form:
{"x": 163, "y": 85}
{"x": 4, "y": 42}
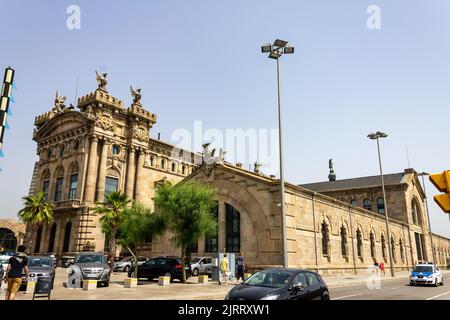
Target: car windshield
{"x": 91, "y": 259}
{"x": 126, "y": 259}
{"x": 269, "y": 278}
{"x": 39, "y": 262}
{"x": 196, "y": 260}
{"x": 423, "y": 269}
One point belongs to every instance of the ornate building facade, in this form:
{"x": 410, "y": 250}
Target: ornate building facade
{"x": 333, "y": 227}
{"x": 83, "y": 154}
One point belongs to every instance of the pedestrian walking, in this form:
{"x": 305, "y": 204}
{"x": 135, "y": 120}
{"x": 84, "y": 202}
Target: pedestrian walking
{"x": 224, "y": 269}
{"x": 376, "y": 265}
{"x": 17, "y": 264}
{"x": 240, "y": 264}
{"x": 381, "y": 265}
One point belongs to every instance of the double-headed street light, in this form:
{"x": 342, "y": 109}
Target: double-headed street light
{"x": 275, "y": 51}
{"x": 423, "y": 174}
{"x": 377, "y": 136}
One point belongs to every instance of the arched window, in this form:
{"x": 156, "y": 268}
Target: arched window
{"x": 372, "y": 245}
{"x": 380, "y": 205}
{"x": 367, "y": 204}
{"x": 163, "y": 164}
{"x": 152, "y": 161}
{"x": 353, "y": 202}
{"x": 49, "y": 153}
{"x": 59, "y": 174}
{"x": 66, "y": 244}
{"x": 73, "y": 184}
{"x": 325, "y": 239}
{"x": 344, "y": 246}
{"x": 173, "y": 166}
{"x": 8, "y": 240}
{"x": 233, "y": 229}
{"x": 61, "y": 151}
{"x": 37, "y": 246}
{"x": 383, "y": 247}
{"x": 45, "y": 183}
{"x": 183, "y": 169}
{"x": 394, "y": 256}
{"x": 402, "y": 250}
{"x": 51, "y": 242}
{"x": 359, "y": 243}
{"x": 415, "y": 211}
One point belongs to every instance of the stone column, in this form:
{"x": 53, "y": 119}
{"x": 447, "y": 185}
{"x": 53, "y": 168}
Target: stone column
{"x": 140, "y": 176}
{"x": 222, "y": 227}
{"x": 131, "y": 171}
{"x": 89, "y": 190}
{"x": 102, "y": 171}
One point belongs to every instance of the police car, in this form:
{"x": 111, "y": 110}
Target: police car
{"x": 426, "y": 273}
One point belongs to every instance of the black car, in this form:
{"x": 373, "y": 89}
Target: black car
{"x": 281, "y": 284}
{"x": 161, "y": 266}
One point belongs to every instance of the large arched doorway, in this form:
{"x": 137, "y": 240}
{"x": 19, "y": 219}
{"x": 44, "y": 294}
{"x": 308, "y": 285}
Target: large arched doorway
{"x": 233, "y": 229}
{"x": 37, "y": 246}
{"x": 66, "y": 244}
{"x": 51, "y": 242}
{"x": 8, "y": 240}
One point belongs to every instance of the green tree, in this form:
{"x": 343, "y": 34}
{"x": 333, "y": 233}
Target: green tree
{"x": 138, "y": 225}
{"x": 35, "y": 212}
{"x": 188, "y": 211}
{"x": 111, "y": 211}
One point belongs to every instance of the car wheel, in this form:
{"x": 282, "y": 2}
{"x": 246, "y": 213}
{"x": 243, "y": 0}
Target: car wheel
{"x": 126, "y": 269}
{"x": 195, "y": 272}
{"x": 411, "y": 284}
{"x": 106, "y": 284}
{"x": 442, "y": 281}
{"x": 436, "y": 283}
{"x": 325, "y": 295}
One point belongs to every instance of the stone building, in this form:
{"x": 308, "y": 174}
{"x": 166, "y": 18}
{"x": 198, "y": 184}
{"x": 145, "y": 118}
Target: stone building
{"x": 12, "y": 233}
{"x": 334, "y": 227}
{"x": 102, "y": 146}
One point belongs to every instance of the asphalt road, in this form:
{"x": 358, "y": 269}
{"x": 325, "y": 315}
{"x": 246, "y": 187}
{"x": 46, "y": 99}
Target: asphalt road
{"x": 392, "y": 290}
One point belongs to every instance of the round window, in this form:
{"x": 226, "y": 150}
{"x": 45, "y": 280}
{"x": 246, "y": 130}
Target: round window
{"x": 115, "y": 149}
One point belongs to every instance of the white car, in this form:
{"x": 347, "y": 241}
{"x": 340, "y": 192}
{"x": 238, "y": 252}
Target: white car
{"x": 201, "y": 265}
{"x": 127, "y": 263}
{"x": 4, "y": 262}
{"x": 426, "y": 274}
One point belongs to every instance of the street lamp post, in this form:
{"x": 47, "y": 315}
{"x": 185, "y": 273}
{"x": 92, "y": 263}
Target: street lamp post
{"x": 422, "y": 174}
{"x": 275, "y": 51}
{"x": 376, "y": 136}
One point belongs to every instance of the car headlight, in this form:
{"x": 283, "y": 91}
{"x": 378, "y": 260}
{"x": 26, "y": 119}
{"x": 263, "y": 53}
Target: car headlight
{"x": 270, "y": 297}
{"x": 31, "y": 275}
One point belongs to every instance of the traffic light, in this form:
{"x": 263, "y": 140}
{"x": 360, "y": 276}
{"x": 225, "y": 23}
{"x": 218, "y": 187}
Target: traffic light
{"x": 5, "y": 99}
{"x": 442, "y": 182}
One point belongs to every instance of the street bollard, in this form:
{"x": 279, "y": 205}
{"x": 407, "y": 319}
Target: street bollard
{"x": 203, "y": 279}
{"x": 164, "y": 281}
{"x": 131, "y": 282}
{"x": 89, "y": 285}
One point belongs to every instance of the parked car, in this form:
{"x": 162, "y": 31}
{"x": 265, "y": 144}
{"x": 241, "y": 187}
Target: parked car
{"x": 4, "y": 262}
{"x": 127, "y": 263}
{"x": 92, "y": 266}
{"x": 426, "y": 274}
{"x": 52, "y": 256}
{"x": 66, "y": 261}
{"x": 161, "y": 266}
{"x": 201, "y": 265}
{"x": 281, "y": 284}
{"x": 38, "y": 266}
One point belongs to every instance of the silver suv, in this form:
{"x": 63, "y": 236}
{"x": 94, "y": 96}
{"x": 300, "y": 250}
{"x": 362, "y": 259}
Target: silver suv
{"x": 93, "y": 266}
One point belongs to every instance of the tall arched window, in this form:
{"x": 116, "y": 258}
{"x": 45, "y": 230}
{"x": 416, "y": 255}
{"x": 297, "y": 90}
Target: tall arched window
{"x": 163, "y": 164}
{"x": 73, "y": 183}
{"x": 66, "y": 244}
{"x": 233, "y": 229}
{"x": 152, "y": 161}
{"x": 59, "y": 174}
{"x": 359, "y": 243}
{"x": 402, "y": 250}
{"x": 367, "y": 204}
{"x": 372, "y": 245}
{"x": 415, "y": 211}
{"x": 325, "y": 239}
{"x": 354, "y": 202}
{"x": 380, "y": 205}
{"x": 344, "y": 246}
{"x": 51, "y": 242}
{"x": 383, "y": 247}
{"x": 45, "y": 178}
{"x": 37, "y": 246}
{"x": 8, "y": 239}
{"x": 394, "y": 256}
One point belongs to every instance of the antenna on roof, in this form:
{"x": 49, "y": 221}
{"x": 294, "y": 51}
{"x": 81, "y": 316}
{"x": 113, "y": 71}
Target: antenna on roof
{"x": 76, "y": 92}
{"x": 407, "y": 156}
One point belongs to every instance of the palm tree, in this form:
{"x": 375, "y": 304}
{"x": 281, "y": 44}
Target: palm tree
{"x": 112, "y": 215}
{"x": 187, "y": 209}
{"x": 35, "y": 212}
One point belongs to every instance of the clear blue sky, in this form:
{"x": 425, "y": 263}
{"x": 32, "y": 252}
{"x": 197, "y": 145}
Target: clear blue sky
{"x": 201, "y": 60}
